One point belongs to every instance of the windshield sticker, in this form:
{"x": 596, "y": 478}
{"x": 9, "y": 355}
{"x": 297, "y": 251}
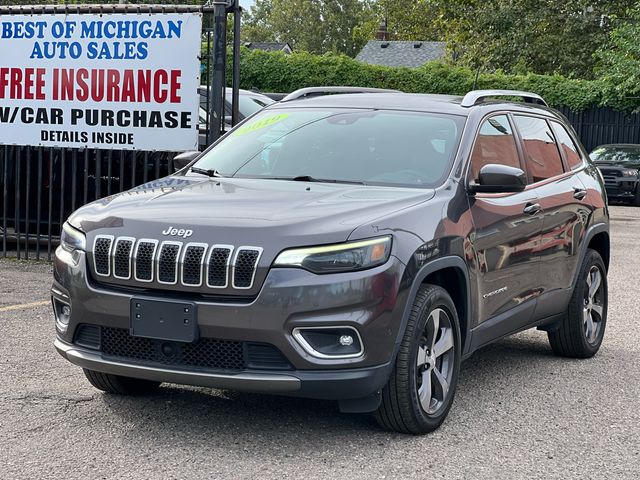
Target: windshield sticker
{"x": 259, "y": 124}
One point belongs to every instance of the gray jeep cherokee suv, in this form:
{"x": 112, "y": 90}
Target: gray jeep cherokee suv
{"x": 353, "y": 247}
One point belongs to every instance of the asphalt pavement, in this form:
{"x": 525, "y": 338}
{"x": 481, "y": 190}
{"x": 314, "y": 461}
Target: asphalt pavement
{"x": 519, "y": 412}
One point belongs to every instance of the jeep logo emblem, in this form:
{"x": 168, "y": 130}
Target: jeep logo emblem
{"x": 177, "y": 232}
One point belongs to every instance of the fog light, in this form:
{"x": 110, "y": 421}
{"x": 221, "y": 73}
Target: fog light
{"x": 330, "y": 342}
{"x": 346, "y": 340}
{"x": 62, "y": 314}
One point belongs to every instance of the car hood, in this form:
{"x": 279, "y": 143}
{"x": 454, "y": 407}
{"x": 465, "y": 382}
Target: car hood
{"x": 618, "y": 165}
{"x": 272, "y": 214}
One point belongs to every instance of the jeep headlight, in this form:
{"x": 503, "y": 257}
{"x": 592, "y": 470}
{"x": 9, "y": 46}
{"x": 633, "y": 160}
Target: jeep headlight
{"x": 342, "y": 257}
{"x": 629, "y": 173}
{"x": 72, "y": 239}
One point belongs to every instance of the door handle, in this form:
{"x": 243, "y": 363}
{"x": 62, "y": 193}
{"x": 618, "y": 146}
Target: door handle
{"x": 579, "y": 193}
{"x": 532, "y": 208}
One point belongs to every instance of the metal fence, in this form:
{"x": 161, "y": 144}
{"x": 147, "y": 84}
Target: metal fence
{"x": 597, "y": 126}
{"x": 41, "y": 186}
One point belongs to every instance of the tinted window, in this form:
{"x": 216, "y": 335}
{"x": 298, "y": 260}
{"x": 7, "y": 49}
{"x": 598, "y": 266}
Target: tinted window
{"x": 495, "y": 144}
{"x": 373, "y": 147}
{"x": 569, "y": 148}
{"x": 541, "y": 152}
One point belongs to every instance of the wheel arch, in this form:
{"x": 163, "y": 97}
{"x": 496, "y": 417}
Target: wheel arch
{"x": 601, "y": 243}
{"x": 451, "y": 274}
{"x": 596, "y": 238}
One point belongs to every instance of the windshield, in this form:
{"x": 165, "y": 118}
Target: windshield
{"x": 622, "y": 155}
{"x": 376, "y": 147}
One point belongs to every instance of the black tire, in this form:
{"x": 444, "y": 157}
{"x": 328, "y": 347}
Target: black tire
{"x": 120, "y": 385}
{"x": 573, "y": 338}
{"x": 401, "y": 409}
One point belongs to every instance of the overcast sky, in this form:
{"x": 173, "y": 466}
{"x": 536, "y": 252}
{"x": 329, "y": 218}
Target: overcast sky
{"x": 246, "y": 3}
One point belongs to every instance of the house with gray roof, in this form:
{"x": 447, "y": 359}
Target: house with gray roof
{"x": 401, "y": 53}
{"x": 270, "y": 47}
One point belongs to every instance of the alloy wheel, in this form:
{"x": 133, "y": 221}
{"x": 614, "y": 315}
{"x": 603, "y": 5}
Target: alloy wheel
{"x": 593, "y": 310}
{"x": 435, "y": 361}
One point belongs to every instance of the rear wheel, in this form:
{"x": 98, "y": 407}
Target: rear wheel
{"x": 581, "y": 332}
{"x": 420, "y": 391}
{"x": 120, "y": 385}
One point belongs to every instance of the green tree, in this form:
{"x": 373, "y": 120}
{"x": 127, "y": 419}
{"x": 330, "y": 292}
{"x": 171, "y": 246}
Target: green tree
{"x": 541, "y": 36}
{"x": 619, "y": 61}
{"x": 515, "y": 36}
{"x": 316, "y": 26}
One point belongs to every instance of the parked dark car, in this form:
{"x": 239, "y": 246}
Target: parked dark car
{"x": 354, "y": 247}
{"x": 249, "y": 102}
{"x": 620, "y": 167}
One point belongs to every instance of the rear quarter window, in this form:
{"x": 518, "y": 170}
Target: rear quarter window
{"x": 540, "y": 148}
{"x": 569, "y": 148}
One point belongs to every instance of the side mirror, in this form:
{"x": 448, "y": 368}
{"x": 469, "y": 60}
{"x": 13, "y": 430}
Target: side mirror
{"x": 183, "y": 159}
{"x": 496, "y": 178}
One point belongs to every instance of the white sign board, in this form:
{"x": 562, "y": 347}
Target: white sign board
{"x": 116, "y": 81}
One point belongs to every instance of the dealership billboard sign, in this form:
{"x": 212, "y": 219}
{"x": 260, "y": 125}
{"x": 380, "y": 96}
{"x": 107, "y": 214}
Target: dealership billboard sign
{"x": 115, "y": 81}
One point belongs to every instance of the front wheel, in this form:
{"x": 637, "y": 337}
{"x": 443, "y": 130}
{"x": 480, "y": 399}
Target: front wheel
{"x": 420, "y": 391}
{"x": 582, "y": 329}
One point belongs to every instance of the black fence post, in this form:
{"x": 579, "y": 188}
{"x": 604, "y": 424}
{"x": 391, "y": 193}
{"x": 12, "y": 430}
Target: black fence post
{"x": 218, "y": 78}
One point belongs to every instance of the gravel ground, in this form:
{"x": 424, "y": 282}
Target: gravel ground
{"x": 520, "y": 412}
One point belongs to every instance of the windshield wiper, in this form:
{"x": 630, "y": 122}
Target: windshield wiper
{"x": 309, "y": 178}
{"x": 211, "y": 172}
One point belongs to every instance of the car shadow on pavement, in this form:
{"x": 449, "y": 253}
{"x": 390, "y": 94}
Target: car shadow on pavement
{"x": 204, "y": 415}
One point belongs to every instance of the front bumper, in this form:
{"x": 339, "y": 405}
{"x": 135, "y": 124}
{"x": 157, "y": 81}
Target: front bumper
{"x": 369, "y": 301}
{"x": 327, "y": 384}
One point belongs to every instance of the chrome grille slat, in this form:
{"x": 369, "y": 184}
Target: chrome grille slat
{"x": 244, "y": 267}
{"x": 143, "y": 258}
{"x": 218, "y": 266}
{"x": 167, "y": 262}
{"x": 122, "y": 253}
{"x": 193, "y": 265}
{"x": 102, "y": 255}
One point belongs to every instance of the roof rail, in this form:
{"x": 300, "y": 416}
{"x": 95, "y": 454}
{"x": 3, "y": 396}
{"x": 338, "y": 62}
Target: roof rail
{"x": 476, "y": 97}
{"x": 319, "y": 91}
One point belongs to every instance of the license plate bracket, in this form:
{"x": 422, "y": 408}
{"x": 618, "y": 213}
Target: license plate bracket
{"x": 163, "y": 320}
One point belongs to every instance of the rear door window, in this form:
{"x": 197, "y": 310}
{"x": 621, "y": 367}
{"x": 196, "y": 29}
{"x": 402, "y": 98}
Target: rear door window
{"x": 570, "y": 149}
{"x": 495, "y": 144}
{"x": 541, "y": 151}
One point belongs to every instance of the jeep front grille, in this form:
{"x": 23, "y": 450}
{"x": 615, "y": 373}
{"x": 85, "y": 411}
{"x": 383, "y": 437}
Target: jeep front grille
{"x": 171, "y": 262}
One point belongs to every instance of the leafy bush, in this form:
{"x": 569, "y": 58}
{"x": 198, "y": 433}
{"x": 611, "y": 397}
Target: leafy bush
{"x": 277, "y": 72}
